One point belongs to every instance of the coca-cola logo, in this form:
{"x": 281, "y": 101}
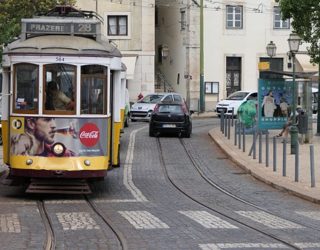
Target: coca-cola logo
{"x": 89, "y": 134}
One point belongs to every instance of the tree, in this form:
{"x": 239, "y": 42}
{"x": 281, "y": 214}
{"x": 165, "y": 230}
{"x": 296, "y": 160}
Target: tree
{"x": 305, "y": 20}
{"x": 305, "y": 15}
{"x": 11, "y": 12}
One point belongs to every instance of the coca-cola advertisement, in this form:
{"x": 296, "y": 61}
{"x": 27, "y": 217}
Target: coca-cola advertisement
{"x": 38, "y": 136}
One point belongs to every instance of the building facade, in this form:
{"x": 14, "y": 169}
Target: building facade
{"x": 236, "y": 34}
{"x": 130, "y": 26}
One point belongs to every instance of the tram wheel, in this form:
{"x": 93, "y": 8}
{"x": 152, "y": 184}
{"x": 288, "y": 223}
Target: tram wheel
{"x": 126, "y": 122}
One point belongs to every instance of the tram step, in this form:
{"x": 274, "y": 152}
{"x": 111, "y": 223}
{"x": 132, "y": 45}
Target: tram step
{"x": 61, "y": 186}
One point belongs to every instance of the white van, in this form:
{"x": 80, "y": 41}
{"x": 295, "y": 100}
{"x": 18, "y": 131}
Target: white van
{"x": 233, "y": 102}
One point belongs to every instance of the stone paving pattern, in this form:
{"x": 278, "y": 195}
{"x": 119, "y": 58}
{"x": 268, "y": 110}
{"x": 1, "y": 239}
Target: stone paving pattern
{"x": 302, "y": 188}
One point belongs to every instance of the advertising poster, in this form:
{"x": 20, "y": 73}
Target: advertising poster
{"x": 36, "y": 136}
{"x": 275, "y": 99}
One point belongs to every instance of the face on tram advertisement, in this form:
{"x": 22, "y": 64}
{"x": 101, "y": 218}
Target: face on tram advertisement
{"x": 35, "y": 136}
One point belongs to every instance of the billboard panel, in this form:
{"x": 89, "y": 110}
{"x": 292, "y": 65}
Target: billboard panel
{"x": 275, "y": 99}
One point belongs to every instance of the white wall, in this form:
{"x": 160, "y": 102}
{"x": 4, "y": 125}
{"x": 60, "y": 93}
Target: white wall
{"x": 183, "y": 47}
{"x": 140, "y": 41}
{"x": 248, "y": 43}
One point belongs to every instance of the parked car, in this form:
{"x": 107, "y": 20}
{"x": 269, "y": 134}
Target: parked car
{"x": 233, "y": 102}
{"x": 142, "y": 109}
{"x": 171, "y": 117}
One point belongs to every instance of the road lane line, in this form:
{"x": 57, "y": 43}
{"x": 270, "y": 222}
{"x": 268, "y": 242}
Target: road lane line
{"x": 127, "y": 172}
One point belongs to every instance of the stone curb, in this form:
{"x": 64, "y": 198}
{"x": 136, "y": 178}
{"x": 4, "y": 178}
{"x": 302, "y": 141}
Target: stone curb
{"x": 258, "y": 170}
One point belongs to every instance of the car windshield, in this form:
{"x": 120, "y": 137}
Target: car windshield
{"x": 176, "y": 109}
{"x": 151, "y": 99}
{"x": 237, "y": 96}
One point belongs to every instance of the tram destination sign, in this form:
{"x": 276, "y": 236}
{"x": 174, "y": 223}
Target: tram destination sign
{"x": 61, "y": 28}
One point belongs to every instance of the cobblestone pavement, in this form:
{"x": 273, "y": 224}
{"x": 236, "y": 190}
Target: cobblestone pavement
{"x": 292, "y": 175}
{"x": 151, "y": 213}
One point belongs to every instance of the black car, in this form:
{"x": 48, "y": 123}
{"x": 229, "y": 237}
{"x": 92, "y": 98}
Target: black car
{"x": 171, "y": 117}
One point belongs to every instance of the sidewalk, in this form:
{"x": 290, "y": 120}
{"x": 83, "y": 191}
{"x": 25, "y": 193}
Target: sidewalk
{"x": 302, "y": 188}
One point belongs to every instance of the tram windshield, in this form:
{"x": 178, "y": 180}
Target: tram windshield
{"x": 60, "y": 86}
{"x": 26, "y": 88}
{"x": 59, "y": 89}
{"x": 93, "y": 89}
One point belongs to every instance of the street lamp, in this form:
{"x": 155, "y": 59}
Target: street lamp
{"x": 294, "y": 42}
{"x": 271, "y": 49}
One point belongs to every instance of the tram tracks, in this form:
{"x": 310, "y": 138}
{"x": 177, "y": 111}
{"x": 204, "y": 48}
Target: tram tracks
{"x": 223, "y": 190}
{"x": 50, "y": 243}
{"x": 121, "y": 238}
{"x": 223, "y": 214}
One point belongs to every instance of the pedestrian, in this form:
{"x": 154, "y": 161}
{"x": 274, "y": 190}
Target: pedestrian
{"x": 140, "y": 96}
{"x": 287, "y": 126}
{"x": 302, "y": 123}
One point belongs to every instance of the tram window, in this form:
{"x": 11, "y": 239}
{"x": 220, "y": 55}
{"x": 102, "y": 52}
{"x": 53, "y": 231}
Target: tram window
{"x": 60, "y": 90}
{"x": 93, "y": 89}
{"x": 26, "y": 88}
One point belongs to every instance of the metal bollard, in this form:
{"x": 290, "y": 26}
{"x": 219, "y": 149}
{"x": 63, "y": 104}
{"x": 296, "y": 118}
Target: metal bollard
{"x": 239, "y": 135}
{"x": 244, "y": 139}
{"x": 284, "y": 159}
{"x": 225, "y": 125}
{"x": 274, "y": 154}
{"x": 254, "y": 144}
{"x": 260, "y": 146}
{"x": 313, "y": 179}
{"x": 235, "y": 132}
{"x": 229, "y": 120}
{"x": 296, "y": 164}
{"x": 232, "y": 116}
{"x": 222, "y": 121}
{"x": 267, "y": 149}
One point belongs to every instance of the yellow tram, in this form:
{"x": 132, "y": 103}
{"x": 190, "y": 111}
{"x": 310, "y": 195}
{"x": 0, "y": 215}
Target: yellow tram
{"x": 62, "y": 94}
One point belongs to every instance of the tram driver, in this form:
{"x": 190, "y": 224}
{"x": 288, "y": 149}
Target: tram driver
{"x": 56, "y": 99}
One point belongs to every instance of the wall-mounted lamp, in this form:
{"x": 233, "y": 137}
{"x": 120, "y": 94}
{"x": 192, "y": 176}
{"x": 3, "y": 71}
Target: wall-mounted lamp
{"x": 164, "y": 51}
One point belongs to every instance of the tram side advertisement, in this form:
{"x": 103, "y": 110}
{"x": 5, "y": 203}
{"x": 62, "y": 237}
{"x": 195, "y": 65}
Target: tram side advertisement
{"x": 37, "y": 136}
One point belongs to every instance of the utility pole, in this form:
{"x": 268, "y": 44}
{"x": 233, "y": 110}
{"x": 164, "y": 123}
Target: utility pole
{"x": 202, "y": 104}
{"x": 318, "y": 111}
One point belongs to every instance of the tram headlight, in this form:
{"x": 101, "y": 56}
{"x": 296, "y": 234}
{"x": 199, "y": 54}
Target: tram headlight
{"x": 58, "y": 149}
{"x": 29, "y": 161}
{"x": 87, "y": 163}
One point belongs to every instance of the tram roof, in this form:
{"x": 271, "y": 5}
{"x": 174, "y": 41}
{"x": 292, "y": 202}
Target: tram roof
{"x": 62, "y": 45}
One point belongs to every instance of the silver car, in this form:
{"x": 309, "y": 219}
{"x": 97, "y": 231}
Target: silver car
{"x": 142, "y": 109}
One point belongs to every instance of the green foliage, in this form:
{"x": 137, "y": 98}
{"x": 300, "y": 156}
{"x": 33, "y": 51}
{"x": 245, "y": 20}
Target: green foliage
{"x": 11, "y": 12}
{"x": 305, "y": 17}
